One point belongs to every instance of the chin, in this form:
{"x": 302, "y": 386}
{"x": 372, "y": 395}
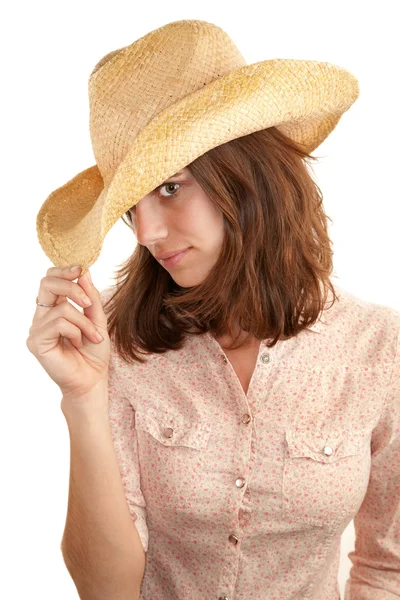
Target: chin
{"x": 187, "y": 280}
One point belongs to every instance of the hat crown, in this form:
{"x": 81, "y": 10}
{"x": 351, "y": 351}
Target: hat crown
{"x": 130, "y": 86}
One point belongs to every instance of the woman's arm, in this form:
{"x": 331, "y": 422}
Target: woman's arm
{"x": 375, "y": 574}
{"x": 101, "y": 547}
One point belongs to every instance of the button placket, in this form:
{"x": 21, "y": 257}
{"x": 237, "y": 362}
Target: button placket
{"x": 240, "y": 481}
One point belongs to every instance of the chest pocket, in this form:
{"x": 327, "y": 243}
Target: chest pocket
{"x": 172, "y": 450}
{"x": 325, "y": 475}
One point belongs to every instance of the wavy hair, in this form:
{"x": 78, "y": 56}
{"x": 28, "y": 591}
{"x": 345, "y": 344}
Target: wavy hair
{"x": 272, "y": 275}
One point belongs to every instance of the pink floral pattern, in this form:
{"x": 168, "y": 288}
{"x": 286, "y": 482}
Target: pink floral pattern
{"x": 245, "y": 496}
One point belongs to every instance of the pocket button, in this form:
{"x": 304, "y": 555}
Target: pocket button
{"x": 168, "y": 432}
{"x": 328, "y": 450}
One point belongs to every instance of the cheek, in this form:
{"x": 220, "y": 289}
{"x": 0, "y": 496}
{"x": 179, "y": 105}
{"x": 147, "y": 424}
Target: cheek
{"x": 204, "y": 219}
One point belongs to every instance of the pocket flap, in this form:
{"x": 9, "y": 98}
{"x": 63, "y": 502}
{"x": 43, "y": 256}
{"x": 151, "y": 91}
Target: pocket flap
{"x": 327, "y": 446}
{"x": 172, "y": 429}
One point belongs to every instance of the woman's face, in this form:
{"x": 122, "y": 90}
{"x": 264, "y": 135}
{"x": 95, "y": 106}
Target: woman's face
{"x": 178, "y": 215}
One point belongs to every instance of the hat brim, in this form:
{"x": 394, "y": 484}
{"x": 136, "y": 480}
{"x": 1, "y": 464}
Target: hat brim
{"x": 303, "y": 99}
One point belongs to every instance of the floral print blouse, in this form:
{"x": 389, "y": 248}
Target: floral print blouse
{"x": 245, "y": 496}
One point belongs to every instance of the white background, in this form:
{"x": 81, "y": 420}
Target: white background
{"x": 48, "y": 51}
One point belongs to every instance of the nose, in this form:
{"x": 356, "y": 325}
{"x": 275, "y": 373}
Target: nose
{"x": 148, "y": 222}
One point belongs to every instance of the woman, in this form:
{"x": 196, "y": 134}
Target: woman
{"x": 240, "y": 410}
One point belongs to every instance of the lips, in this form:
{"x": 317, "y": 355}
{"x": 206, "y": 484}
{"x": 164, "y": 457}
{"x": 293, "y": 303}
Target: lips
{"x": 170, "y": 254}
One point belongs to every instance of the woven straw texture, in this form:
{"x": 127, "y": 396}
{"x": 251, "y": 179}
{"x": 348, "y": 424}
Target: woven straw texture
{"x": 163, "y": 101}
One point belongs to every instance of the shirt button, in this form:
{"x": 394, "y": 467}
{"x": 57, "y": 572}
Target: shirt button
{"x": 265, "y": 358}
{"x": 168, "y": 432}
{"x": 233, "y": 539}
{"x": 246, "y": 419}
{"x": 224, "y": 358}
{"x": 223, "y": 598}
{"x": 240, "y": 482}
{"x": 328, "y": 450}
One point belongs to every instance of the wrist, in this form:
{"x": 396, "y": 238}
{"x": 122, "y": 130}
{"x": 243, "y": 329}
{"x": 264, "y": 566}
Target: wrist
{"x": 91, "y": 404}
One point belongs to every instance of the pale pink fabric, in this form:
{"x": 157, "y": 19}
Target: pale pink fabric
{"x": 237, "y": 510}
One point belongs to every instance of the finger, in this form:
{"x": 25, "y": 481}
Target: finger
{"x": 46, "y": 296}
{"x": 95, "y": 312}
{"x": 55, "y": 329}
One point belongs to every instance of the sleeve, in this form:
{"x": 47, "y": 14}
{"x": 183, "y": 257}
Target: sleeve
{"x": 375, "y": 572}
{"x": 121, "y": 419}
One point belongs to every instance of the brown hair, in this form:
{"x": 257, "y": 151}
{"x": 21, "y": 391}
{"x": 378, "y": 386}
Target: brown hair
{"x": 274, "y": 266}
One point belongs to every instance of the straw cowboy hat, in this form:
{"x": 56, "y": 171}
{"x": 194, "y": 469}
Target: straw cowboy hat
{"x": 163, "y": 101}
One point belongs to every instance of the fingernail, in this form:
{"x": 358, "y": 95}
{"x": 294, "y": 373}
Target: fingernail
{"x": 87, "y": 301}
{"x": 75, "y": 269}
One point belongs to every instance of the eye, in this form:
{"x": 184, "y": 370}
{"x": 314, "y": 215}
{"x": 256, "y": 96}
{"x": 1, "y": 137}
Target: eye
{"x": 169, "y": 186}
{"x": 132, "y": 210}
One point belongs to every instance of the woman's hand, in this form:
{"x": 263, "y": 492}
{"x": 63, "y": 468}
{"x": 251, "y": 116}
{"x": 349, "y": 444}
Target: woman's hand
{"x": 63, "y": 339}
